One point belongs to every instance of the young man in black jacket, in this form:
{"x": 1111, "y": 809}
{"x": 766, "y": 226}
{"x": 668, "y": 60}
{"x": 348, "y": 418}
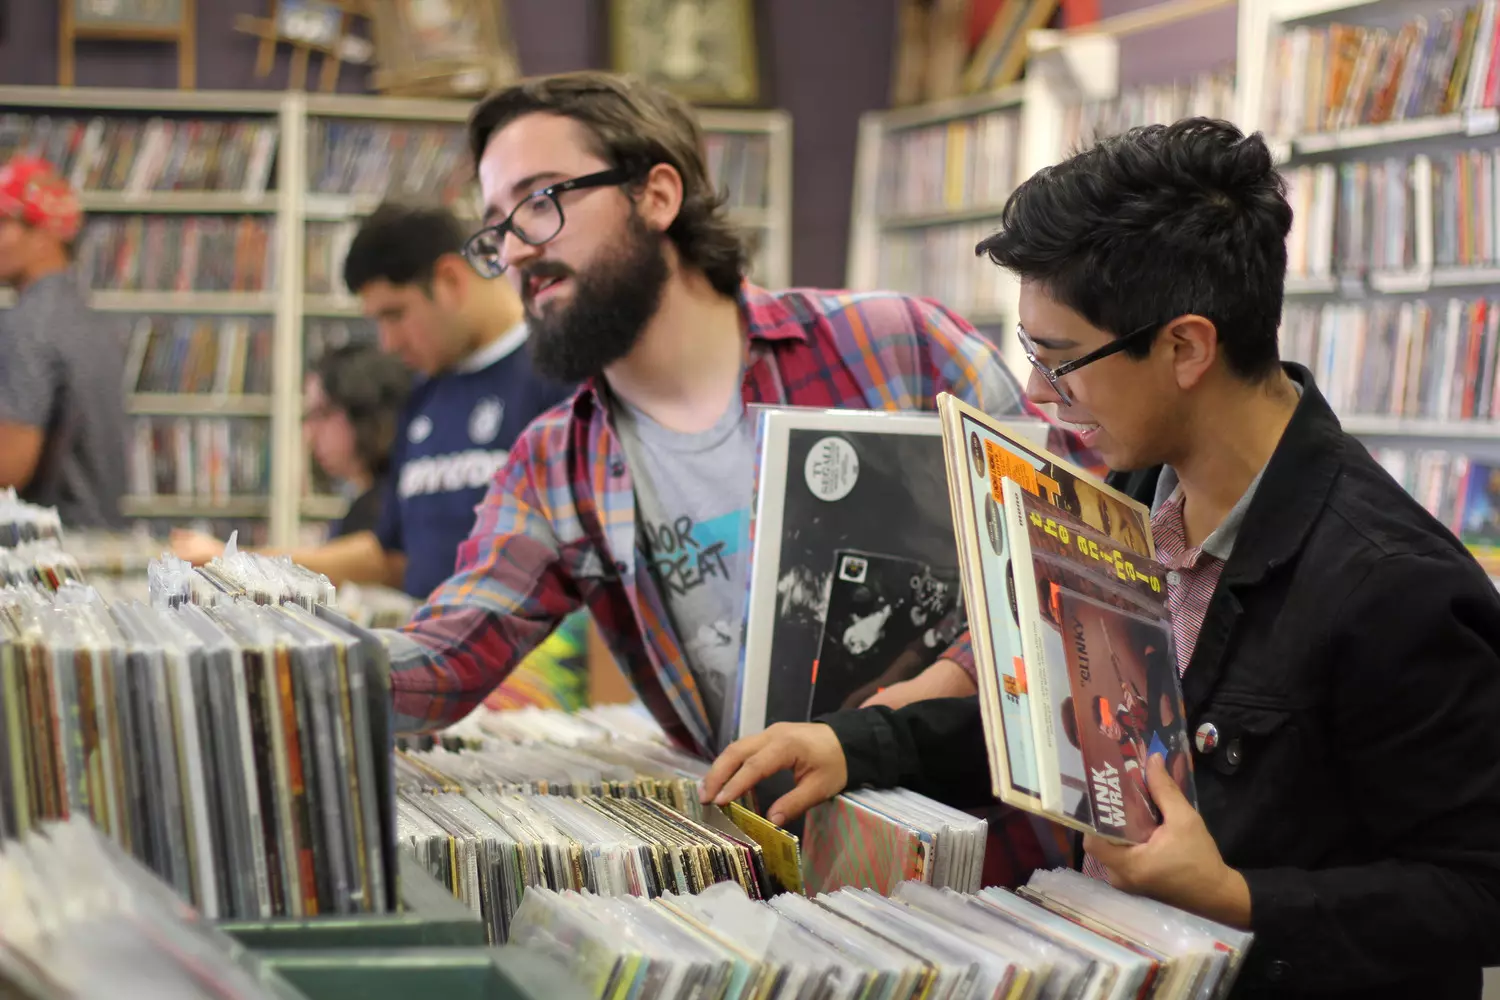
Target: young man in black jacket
{"x": 1340, "y": 649}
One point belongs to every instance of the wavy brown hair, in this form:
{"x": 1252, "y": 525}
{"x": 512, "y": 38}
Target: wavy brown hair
{"x": 633, "y": 125}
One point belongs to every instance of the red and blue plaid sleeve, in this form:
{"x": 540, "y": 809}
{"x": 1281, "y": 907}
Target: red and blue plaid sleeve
{"x": 509, "y": 591}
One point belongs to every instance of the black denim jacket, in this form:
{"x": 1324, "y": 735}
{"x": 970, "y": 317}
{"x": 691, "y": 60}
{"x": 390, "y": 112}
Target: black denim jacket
{"x": 1350, "y": 663}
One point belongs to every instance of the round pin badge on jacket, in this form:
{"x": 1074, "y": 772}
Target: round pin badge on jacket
{"x": 1207, "y": 737}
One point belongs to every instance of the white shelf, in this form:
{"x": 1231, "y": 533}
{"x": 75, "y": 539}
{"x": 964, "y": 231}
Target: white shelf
{"x": 146, "y": 101}
{"x": 195, "y": 507}
{"x": 1485, "y": 121}
{"x": 1395, "y": 282}
{"x": 331, "y": 306}
{"x": 951, "y": 217}
{"x": 169, "y": 404}
{"x": 218, "y": 303}
{"x": 1411, "y": 427}
{"x": 1311, "y": 285}
{"x": 203, "y": 202}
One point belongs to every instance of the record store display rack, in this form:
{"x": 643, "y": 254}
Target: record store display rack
{"x": 215, "y": 224}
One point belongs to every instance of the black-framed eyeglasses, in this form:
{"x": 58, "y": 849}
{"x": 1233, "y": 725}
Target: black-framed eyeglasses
{"x": 1054, "y": 375}
{"x": 536, "y": 220}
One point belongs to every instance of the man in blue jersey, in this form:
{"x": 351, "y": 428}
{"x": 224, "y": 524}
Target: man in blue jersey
{"x": 476, "y": 390}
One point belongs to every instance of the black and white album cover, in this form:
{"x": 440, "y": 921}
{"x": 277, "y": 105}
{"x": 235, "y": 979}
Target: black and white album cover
{"x": 888, "y": 619}
{"x": 829, "y": 482}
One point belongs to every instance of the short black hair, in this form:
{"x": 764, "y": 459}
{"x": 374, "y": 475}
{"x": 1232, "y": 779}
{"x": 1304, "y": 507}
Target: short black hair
{"x": 371, "y": 388}
{"x": 401, "y": 244}
{"x": 1158, "y": 222}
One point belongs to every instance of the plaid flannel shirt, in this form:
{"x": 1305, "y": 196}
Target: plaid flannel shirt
{"x": 557, "y": 529}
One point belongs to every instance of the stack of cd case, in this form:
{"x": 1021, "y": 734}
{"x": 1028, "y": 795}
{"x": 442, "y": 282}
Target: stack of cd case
{"x": 1063, "y": 935}
{"x": 240, "y": 751}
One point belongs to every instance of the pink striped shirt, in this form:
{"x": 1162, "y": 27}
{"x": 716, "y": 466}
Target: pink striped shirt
{"x": 1193, "y": 575}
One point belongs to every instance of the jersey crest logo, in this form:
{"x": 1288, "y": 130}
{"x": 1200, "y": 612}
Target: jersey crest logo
{"x": 484, "y": 421}
{"x": 419, "y": 430}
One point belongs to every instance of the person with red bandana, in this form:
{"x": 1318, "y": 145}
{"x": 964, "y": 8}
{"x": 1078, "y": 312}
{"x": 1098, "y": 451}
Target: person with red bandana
{"x": 62, "y": 404}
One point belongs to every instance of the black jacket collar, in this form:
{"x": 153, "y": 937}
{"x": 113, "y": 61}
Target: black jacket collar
{"x": 1293, "y": 490}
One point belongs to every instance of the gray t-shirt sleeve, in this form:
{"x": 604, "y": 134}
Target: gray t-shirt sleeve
{"x": 28, "y": 375}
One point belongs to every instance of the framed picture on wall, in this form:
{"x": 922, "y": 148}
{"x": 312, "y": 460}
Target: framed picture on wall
{"x": 441, "y": 48}
{"x": 703, "y": 50}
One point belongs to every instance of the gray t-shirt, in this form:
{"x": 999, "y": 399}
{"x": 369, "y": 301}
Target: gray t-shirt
{"x": 60, "y": 371}
{"x": 692, "y": 510}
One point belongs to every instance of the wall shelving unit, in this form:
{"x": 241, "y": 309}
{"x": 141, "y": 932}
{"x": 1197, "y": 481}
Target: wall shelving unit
{"x": 750, "y": 149}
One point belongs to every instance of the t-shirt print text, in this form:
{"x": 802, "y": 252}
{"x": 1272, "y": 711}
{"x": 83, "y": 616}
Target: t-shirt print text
{"x": 686, "y": 555}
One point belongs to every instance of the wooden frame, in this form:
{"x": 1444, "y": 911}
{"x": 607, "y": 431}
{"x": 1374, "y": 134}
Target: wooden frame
{"x": 458, "y": 48}
{"x": 294, "y": 23}
{"x": 655, "y": 40}
{"x": 173, "y": 21}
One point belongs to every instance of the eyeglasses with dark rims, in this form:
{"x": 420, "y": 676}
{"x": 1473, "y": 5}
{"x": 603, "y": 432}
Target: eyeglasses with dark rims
{"x": 535, "y": 221}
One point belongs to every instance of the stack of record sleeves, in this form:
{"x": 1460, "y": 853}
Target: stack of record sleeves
{"x": 1063, "y": 935}
{"x": 233, "y": 736}
{"x": 80, "y": 919}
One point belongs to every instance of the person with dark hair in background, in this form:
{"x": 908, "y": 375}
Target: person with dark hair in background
{"x": 62, "y": 404}
{"x": 475, "y": 391}
{"x": 1339, "y": 648}
{"x": 351, "y": 407}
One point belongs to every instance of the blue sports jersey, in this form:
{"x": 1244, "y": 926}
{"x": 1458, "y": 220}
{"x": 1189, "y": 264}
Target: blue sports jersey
{"x": 455, "y": 434}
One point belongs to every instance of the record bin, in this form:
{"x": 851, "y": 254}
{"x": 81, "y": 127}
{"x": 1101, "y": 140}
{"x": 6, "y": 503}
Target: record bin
{"x": 430, "y": 917}
{"x": 504, "y": 973}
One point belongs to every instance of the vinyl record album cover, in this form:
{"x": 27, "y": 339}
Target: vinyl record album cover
{"x": 829, "y": 481}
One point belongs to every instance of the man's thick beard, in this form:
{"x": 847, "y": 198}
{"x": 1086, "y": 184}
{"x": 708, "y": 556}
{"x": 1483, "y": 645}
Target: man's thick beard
{"x": 612, "y": 303}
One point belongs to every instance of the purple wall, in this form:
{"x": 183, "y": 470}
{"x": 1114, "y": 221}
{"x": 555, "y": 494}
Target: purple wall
{"x": 826, "y": 62}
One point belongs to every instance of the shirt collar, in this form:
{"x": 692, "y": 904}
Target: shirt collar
{"x": 500, "y": 347}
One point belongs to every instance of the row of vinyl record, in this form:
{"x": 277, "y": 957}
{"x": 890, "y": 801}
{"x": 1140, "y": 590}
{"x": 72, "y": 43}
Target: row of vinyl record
{"x": 629, "y": 809}
{"x": 1417, "y": 359}
{"x": 1061, "y": 935}
{"x": 950, "y": 166}
{"x": 199, "y": 354}
{"x": 1396, "y": 214}
{"x": 153, "y": 253}
{"x": 1209, "y": 95}
{"x": 139, "y": 155}
{"x": 1322, "y": 79}
{"x": 233, "y": 735}
{"x": 210, "y": 458}
{"x": 939, "y": 262}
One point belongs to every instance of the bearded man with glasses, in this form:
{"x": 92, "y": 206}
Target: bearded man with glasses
{"x": 600, "y": 211}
